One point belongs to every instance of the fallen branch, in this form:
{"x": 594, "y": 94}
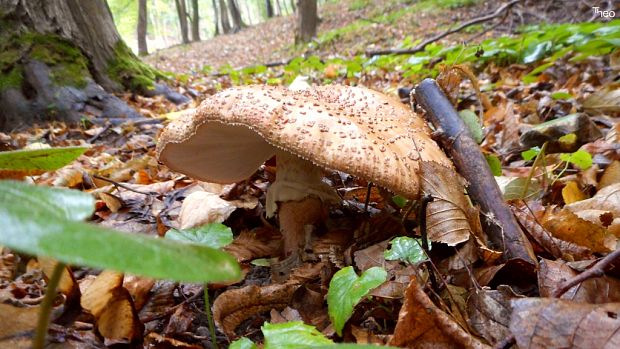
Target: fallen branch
{"x": 420, "y": 47}
{"x": 502, "y": 227}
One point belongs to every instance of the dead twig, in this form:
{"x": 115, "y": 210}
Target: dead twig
{"x": 596, "y": 270}
{"x": 126, "y": 187}
{"x": 423, "y": 44}
{"x": 503, "y": 229}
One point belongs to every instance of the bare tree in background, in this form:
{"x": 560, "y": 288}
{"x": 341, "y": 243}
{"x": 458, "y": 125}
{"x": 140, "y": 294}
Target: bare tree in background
{"x": 142, "y": 28}
{"x": 195, "y": 21}
{"x": 236, "y": 16}
{"x": 279, "y": 7}
{"x": 307, "y": 20}
{"x": 182, "y": 12}
{"x": 216, "y": 18}
{"x": 226, "y": 28}
{"x": 293, "y": 7}
{"x": 269, "y": 8}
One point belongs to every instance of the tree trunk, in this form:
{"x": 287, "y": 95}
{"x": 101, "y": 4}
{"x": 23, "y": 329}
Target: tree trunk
{"x": 236, "y": 16}
{"x": 224, "y": 17}
{"x": 279, "y": 7}
{"x": 195, "y": 21}
{"x": 307, "y": 21}
{"x": 293, "y": 7}
{"x": 216, "y": 18}
{"x": 269, "y": 8}
{"x": 142, "y": 23}
{"x": 182, "y": 13}
{"x": 57, "y": 56}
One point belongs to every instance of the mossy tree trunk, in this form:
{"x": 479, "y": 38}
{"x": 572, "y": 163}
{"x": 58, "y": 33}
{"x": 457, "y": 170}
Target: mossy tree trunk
{"x": 55, "y": 57}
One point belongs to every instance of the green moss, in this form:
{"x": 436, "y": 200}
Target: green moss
{"x": 12, "y": 79}
{"x": 67, "y": 63}
{"x": 130, "y": 71}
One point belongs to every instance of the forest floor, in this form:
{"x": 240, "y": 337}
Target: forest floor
{"x": 541, "y": 101}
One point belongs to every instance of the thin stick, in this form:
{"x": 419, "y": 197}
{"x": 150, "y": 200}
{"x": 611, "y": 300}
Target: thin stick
{"x": 422, "y": 45}
{"x": 367, "y": 201}
{"x": 47, "y": 304}
{"x": 596, "y": 270}
{"x": 121, "y": 185}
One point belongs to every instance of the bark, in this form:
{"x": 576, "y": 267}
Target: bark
{"x": 269, "y": 8}
{"x": 62, "y": 58}
{"x": 182, "y": 13}
{"x": 142, "y": 28}
{"x": 293, "y": 7}
{"x": 236, "y": 16}
{"x": 216, "y": 18}
{"x": 279, "y": 7}
{"x": 307, "y": 21}
{"x": 195, "y": 21}
{"x": 226, "y": 28}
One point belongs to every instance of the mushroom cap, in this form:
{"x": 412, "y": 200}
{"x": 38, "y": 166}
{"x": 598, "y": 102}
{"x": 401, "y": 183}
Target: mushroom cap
{"x": 351, "y": 129}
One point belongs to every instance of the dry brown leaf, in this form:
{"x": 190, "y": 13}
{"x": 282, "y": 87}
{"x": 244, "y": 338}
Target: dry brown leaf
{"x": 446, "y": 218}
{"x": 556, "y": 247}
{"x": 489, "y": 312}
{"x": 181, "y": 320}
{"x": 157, "y": 341}
{"x": 610, "y": 176}
{"x": 113, "y": 202}
{"x": 366, "y": 336}
{"x": 567, "y": 226}
{"x": 607, "y": 199}
{"x": 603, "y": 101}
{"x": 422, "y": 325}
{"x": 16, "y": 322}
{"x": 118, "y": 322}
{"x": 598, "y": 290}
{"x": 99, "y": 292}
{"x": 555, "y": 323}
{"x": 201, "y": 207}
{"x": 67, "y": 284}
{"x": 139, "y": 288}
{"x": 256, "y": 243}
{"x": 234, "y": 306}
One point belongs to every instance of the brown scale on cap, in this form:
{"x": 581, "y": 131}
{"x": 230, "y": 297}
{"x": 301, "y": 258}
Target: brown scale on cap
{"x": 350, "y": 129}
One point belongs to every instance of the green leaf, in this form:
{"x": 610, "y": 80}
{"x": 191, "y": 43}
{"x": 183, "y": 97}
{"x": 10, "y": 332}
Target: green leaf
{"x": 49, "y": 159}
{"x": 561, "y": 95}
{"x": 261, "y": 262}
{"x": 214, "y": 235}
{"x": 44, "y": 221}
{"x": 400, "y": 201}
{"x": 473, "y": 124}
{"x": 580, "y": 158}
{"x": 405, "y": 249}
{"x": 535, "y": 52}
{"x": 568, "y": 139}
{"x": 294, "y": 334}
{"x": 494, "y": 164}
{"x": 530, "y": 153}
{"x": 346, "y": 289}
{"x": 242, "y": 343}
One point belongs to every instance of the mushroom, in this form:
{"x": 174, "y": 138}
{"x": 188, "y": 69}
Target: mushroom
{"x": 350, "y": 129}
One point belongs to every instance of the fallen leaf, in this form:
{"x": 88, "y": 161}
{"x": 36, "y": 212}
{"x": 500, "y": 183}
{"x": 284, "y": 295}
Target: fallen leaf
{"x": 201, "y": 207}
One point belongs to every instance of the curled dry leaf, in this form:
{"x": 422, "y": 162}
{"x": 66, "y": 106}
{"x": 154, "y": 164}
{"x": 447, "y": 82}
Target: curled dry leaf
{"x": 446, "y": 217}
{"x": 234, "y": 306}
{"x": 598, "y": 290}
{"x": 422, "y": 325}
{"x": 567, "y": 226}
{"x": 113, "y": 308}
{"x": 607, "y": 199}
{"x": 610, "y": 176}
{"x": 603, "y": 101}
{"x": 255, "y": 243}
{"x": 67, "y": 285}
{"x": 201, "y": 207}
{"x": 22, "y": 320}
{"x": 556, "y": 247}
{"x": 555, "y": 323}
{"x": 489, "y": 312}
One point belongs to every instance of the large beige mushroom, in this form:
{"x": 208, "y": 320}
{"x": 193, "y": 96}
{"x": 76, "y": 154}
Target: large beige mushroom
{"x": 350, "y": 129}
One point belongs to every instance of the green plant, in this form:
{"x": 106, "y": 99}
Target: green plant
{"x": 346, "y": 289}
{"x": 405, "y": 249}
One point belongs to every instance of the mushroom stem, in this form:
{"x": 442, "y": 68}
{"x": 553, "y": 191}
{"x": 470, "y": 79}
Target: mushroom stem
{"x": 300, "y": 196}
